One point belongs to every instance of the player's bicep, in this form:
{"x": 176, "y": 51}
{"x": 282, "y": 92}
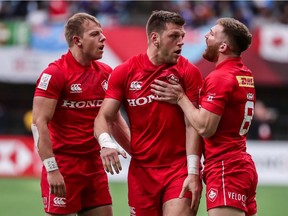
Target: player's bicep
{"x": 211, "y": 122}
{"x": 43, "y": 109}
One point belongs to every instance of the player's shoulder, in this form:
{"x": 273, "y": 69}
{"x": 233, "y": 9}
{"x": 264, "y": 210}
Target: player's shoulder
{"x": 136, "y": 60}
{"x": 222, "y": 79}
{"x": 187, "y": 69}
{"x": 60, "y": 67}
{"x": 103, "y": 66}
{"x": 130, "y": 64}
{"x": 56, "y": 67}
{"x": 185, "y": 63}
{"x": 51, "y": 74}
{"x": 59, "y": 64}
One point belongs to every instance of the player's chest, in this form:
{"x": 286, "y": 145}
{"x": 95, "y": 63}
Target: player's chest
{"x": 88, "y": 84}
{"x": 139, "y": 82}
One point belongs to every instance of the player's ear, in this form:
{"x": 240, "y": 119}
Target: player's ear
{"x": 77, "y": 41}
{"x": 223, "y": 47}
{"x": 155, "y": 39}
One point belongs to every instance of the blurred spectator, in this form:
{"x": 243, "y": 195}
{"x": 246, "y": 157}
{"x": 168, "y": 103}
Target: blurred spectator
{"x": 186, "y": 10}
{"x": 261, "y": 127}
{"x": 284, "y": 12}
{"x": 264, "y": 13}
{"x": 27, "y": 120}
{"x": 38, "y": 14}
{"x": 3, "y": 118}
{"x": 243, "y": 12}
{"x": 59, "y": 11}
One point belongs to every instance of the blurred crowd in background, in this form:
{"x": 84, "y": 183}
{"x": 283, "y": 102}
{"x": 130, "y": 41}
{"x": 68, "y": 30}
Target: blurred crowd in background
{"x": 126, "y": 13}
{"x": 196, "y": 13}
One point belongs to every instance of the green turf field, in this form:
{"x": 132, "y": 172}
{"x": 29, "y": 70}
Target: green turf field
{"x": 22, "y": 197}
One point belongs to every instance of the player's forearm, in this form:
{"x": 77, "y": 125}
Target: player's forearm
{"x": 43, "y": 111}
{"x": 192, "y": 114}
{"x": 100, "y": 126}
{"x": 102, "y": 132}
{"x": 204, "y": 122}
{"x": 194, "y": 143}
{"x": 121, "y": 133}
{"x": 193, "y": 149}
{"x": 44, "y": 146}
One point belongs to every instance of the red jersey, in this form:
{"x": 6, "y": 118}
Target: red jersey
{"x": 228, "y": 91}
{"x": 80, "y": 92}
{"x": 157, "y": 128}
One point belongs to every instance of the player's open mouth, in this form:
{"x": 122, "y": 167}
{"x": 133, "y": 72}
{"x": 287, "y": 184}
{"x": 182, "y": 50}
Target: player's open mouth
{"x": 178, "y": 52}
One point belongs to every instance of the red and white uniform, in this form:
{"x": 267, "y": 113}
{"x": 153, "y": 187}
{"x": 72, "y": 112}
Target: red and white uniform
{"x": 157, "y": 128}
{"x": 79, "y": 91}
{"x": 229, "y": 172}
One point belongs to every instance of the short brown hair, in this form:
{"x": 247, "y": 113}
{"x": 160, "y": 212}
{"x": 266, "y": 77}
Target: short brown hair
{"x": 74, "y": 26}
{"x": 158, "y": 20}
{"x": 238, "y": 34}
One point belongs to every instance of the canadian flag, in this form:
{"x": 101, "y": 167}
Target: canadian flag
{"x": 274, "y": 43}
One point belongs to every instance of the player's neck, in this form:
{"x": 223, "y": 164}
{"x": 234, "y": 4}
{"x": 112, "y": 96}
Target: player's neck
{"x": 154, "y": 57}
{"x": 222, "y": 58}
{"x": 78, "y": 56}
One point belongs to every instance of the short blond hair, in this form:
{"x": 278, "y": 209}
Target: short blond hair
{"x": 74, "y": 26}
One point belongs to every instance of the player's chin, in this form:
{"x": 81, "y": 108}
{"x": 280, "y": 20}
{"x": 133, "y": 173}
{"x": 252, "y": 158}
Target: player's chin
{"x": 98, "y": 55}
{"x": 174, "y": 59}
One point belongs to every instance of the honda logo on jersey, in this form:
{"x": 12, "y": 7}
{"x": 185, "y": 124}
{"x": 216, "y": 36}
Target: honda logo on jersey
{"x": 82, "y": 104}
{"x": 140, "y": 101}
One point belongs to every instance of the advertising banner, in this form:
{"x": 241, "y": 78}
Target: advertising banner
{"x": 18, "y": 157}
{"x": 14, "y": 33}
{"x": 271, "y": 159}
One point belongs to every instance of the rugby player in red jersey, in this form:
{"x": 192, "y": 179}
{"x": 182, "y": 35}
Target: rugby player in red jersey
{"x": 68, "y": 96}
{"x": 227, "y": 101}
{"x": 161, "y": 142}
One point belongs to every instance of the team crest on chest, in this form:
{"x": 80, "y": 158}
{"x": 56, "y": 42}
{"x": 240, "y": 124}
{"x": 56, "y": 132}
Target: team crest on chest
{"x": 172, "y": 77}
{"x": 104, "y": 85}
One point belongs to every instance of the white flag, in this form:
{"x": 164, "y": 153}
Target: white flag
{"x": 274, "y": 43}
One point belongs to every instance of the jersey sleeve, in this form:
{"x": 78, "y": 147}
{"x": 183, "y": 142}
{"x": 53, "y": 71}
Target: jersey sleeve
{"x": 116, "y": 82}
{"x": 50, "y": 83}
{"x": 217, "y": 90}
{"x": 192, "y": 82}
